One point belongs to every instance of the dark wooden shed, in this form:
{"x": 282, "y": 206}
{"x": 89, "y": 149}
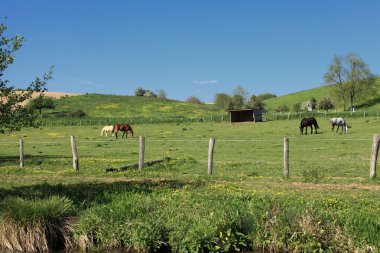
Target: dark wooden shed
{"x": 245, "y": 115}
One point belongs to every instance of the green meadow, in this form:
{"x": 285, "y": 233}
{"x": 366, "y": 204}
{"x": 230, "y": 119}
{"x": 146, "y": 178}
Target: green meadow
{"x": 328, "y": 204}
{"x": 154, "y": 110}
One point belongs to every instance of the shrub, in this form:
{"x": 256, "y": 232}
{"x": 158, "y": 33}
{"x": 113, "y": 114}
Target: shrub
{"x": 78, "y": 114}
{"x": 282, "y": 108}
{"x": 193, "y": 100}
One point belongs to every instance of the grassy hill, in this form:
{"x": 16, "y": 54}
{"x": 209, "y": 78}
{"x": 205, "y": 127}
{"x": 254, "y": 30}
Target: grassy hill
{"x": 116, "y": 106}
{"x": 104, "y": 106}
{"x": 289, "y": 100}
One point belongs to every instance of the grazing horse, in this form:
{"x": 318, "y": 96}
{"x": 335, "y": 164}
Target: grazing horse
{"x": 106, "y": 130}
{"x": 340, "y": 122}
{"x": 309, "y": 122}
{"x": 125, "y": 128}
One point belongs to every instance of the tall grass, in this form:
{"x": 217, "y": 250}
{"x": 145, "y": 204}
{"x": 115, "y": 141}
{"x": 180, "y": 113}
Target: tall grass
{"x": 36, "y": 225}
{"x": 193, "y": 220}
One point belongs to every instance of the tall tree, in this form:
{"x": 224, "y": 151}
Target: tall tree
{"x": 335, "y": 77}
{"x": 239, "y": 91}
{"x": 237, "y": 101}
{"x": 161, "y": 94}
{"x": 360, "y": 80}
{"x": 14, "y": 115}
{"x": 350, "y": 80}
{"x": 223, "y": 100}
{"x": 256, "y": 103}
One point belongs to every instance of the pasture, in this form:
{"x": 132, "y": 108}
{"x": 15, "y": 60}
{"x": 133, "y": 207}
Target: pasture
{"x": 240, "y": 148}
{"x": 245, "y": 204}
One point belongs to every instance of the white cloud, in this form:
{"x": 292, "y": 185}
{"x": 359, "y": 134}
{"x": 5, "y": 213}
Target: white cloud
{"x": 87, "y": 82}
{"x": 205, "y": 81}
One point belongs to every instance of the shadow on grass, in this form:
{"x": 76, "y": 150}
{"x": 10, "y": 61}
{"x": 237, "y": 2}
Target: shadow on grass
{"x": 87, "y": 194}
{"x": 30, "y": 158}
{"x": 369, "y": 103}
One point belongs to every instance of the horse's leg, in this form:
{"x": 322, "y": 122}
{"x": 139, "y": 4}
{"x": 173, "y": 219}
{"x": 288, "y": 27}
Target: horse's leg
{"x": 315, "y": 127}
{"x": 116, "y": 134}
{"x": 123, "y": 134}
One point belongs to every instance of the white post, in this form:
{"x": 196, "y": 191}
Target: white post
{"x": 75, "y": 155}
{"x": 210, "y": 155}
{"x": 141, "y": 152}
{"x": 375, "y": 150}
{"x": 286, "y": 157}
{"x": 21, "y": 153}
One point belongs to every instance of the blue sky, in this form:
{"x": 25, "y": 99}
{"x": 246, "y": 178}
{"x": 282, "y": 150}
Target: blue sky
{"x": 188, "y": 48}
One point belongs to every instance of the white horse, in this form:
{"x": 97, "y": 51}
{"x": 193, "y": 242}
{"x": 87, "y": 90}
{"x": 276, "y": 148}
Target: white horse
{"x": 106, "y": 130}
{"x": 340, "y": 122}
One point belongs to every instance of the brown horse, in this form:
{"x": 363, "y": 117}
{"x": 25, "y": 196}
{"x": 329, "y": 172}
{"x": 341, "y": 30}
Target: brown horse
{"x": 125, "y": 128}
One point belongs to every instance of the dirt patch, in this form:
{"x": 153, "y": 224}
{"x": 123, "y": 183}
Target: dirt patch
{"x": 56, "y": 95}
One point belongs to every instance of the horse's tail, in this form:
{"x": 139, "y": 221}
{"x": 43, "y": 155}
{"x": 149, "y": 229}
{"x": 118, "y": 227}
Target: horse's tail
{"x": 113, "y": 128}
{"x": 315, "y": 123}
{"x": 131, "y": 130}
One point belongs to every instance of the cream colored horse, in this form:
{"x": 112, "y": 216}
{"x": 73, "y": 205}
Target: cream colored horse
{"x": 106, "y": 130}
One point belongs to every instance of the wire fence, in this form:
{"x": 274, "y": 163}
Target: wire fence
{"x": 48, "y": 120}
{"x": 316, "y": 158}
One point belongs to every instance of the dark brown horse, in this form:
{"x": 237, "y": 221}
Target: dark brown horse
{"x": 125, "y": 128}
{"x": 309, "y": 122}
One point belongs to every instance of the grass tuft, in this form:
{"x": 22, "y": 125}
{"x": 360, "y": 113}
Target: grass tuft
{"x": 37, "y": 225}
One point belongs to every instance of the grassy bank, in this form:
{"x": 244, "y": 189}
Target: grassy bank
{"x": 328, "y": 203}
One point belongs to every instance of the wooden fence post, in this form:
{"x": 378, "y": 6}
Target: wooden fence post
{"x": 286, "y": 157}
{"x": 75, "y": 155}
{"x": 21, "y": 153}
{"x": 141, "y": 152}
{"x": 375, "y": 149}
{"x": 210, "y": 155}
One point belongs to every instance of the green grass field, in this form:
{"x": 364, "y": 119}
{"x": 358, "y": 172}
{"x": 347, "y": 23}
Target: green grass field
{"x": 154, "y": 110}
{"x": 329, "y": 202}
{"x": 113, "y": 106}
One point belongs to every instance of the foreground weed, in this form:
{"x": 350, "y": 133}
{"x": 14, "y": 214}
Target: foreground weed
{"x": 37, "y": 225}
{"x": 313, "y": 175}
